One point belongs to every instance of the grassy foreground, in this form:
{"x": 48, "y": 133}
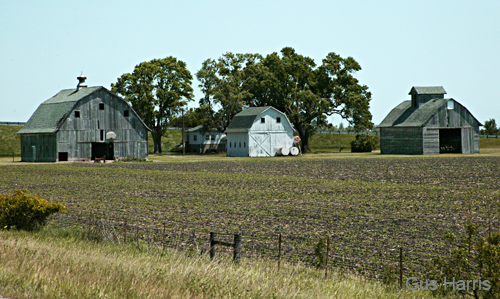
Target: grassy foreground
{"x": 52, "y": 264}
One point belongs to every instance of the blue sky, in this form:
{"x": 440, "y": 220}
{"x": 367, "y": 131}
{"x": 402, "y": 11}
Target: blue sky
{"x": 45, "y": 45}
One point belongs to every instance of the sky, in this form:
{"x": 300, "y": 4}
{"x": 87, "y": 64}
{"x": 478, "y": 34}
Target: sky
{"x": 45, "y": 45}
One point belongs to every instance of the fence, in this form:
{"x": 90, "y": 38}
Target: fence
{"x": 10, "y": 123}
{"x": 353, "y": 257}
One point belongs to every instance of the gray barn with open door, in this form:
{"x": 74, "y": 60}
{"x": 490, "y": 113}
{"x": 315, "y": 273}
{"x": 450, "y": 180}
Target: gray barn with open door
{"x": 429, "y": 124}
{"x": 83, "y": 124}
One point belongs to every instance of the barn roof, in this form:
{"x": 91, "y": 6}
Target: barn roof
{"x": 201, "y": 128}
{"x": 404, "y": 115}
{"x": 427, "y": 90}
{"x": 242, "y": 121}
{"x": 50, "y": 114}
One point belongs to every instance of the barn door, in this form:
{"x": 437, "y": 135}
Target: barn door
{"x": 262, "y": 146}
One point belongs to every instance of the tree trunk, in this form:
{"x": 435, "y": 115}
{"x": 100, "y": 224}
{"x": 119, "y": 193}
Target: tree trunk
{"x": 304, "y": 138}
{"x": 156, "y": 141}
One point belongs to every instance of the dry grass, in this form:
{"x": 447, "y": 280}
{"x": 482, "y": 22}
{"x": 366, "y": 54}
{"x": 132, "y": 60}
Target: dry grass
{"x": 47, "y": 265}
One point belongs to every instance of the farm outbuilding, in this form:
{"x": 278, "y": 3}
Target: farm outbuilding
{"x": 200, "y": 140}
{"x": 83, "y": 124}
{"x": 429, "y": 124}
{"x": 258, "y": 132}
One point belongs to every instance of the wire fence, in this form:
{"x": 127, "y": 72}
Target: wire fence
{"x": 366, "y": 256}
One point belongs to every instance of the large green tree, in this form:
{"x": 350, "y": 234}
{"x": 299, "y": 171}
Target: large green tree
{"x": 157, "y": 90}
{"x": 309, "y": 94}
{"x": 222, "y": 82}
{"x": 490, "y": 128}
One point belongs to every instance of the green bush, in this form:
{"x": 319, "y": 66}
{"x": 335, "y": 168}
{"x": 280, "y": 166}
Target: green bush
{"x": 470, "y": 258}
{"x": 320, "y": 253}
{"x": 363, "y": 143}
{"x": 24, "y": 211}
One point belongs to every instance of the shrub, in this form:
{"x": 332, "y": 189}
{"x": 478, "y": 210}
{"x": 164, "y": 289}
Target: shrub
{"x": 470, "y": 258}
{"x": 363, "y": 143}
{"x": 24, "y": 211}
{"x": 320, "y": 253}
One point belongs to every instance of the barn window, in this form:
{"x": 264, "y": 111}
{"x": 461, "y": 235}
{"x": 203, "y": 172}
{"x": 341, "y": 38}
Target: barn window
{"x": 101, "y": 106}
{"x": 207, "y": 137}
{"x": 102, "y": 135}
{"x": 244, "y": 144}
{"x": 126, "y": 113}
{"x": 262, "y": 120}
{"x": 451, "y": 105}
{"x": 77, "y": 114}
{"x": 98, "y": 125}
{"x": 229, "y": 144}
{"x": 278, "y": 119}
{"x": 240, "y": 144}
{"x": 195, "y": 137}
{"x": 213, "y": 137}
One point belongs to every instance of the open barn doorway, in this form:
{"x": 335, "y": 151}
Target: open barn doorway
{"x": 450, "y": 141}
{"x": 100, "y": 149}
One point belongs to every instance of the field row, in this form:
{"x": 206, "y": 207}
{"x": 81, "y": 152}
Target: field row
{"x": 369, "y": 208}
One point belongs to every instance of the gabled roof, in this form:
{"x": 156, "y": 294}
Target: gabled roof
{"x": 427, "y": 90}
{"x": 200, "y": 128}
{"x": 404, "y": 115}
{"x": 49, "y": 116}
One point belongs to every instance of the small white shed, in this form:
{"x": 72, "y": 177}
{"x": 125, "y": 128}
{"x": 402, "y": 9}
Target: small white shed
{"x": 258, "y": 132}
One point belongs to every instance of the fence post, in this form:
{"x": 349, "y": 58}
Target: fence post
{"x": 327, "y": 254}
{"x": 237, "y": 248}
{"x": 125, "y": 232}
{"x": 401, "y": 266}
{"x": 164, "y": 235}
{"x": 213, "y": 237}
{"x": 279, "y": 252}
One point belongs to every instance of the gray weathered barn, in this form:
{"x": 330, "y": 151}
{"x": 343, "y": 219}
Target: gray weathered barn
{"x": 429, "y": 124}
{"x": 258, "y": 132}
{"x": 82, "y": 124}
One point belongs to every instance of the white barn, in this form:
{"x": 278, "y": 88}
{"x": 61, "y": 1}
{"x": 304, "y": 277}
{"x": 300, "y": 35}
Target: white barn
{"x": 258, "y": 132}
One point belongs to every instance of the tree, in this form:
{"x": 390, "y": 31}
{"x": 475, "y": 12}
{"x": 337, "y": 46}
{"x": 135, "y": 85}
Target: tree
{"x": 192, "y": 118}
{"x": 222, "y": 82}
{"x": 490, "y": 128}
{"x": 293, "y": 84}
{"x": 157, "y": 90}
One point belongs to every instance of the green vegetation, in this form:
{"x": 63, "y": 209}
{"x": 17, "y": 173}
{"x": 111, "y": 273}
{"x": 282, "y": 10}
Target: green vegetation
{"x": 364, "y": 143}
{"x": 59, "y": 264}
{"x": 471, "y": 258}
{"x": 24, "y": 211}
{"x": 10, "y": 142}
{"x": 369, "y": 207}
{"x": 157, "y": 90}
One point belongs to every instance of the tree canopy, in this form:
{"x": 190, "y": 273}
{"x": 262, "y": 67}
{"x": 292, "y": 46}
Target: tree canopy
{"x": 490, "y": 128}
{"x": 222, "y": 82}
{"x": 309, "y": 94}
{"x": 157, "y": 90}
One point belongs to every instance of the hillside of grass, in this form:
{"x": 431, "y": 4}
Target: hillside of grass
{"x": 61, "y": 264}
{"x": 9, "y": 141}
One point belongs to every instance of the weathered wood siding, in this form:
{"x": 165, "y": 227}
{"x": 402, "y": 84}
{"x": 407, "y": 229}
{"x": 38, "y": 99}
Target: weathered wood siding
{"x": 419, "y": 99}
{"x": 76, "y": 134}
{"x": 430, "y": 138}
{"x": 401, "y": 141}
{"x": 38, "y": 148}
{"x": 470, "y": 141}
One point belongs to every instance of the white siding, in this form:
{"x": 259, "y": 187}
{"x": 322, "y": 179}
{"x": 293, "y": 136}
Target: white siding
{"x": 237, "y": 145}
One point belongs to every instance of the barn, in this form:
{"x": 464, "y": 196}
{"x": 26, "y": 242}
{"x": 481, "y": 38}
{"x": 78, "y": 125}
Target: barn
{"x": 199, "y": 140}
{"x": 429, "y": 124}
{"x": 82, "y": 124}
{"x": 258, "y": 132}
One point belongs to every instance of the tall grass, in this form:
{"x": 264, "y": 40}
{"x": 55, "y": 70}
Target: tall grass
{"x": 52, "y": 264}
